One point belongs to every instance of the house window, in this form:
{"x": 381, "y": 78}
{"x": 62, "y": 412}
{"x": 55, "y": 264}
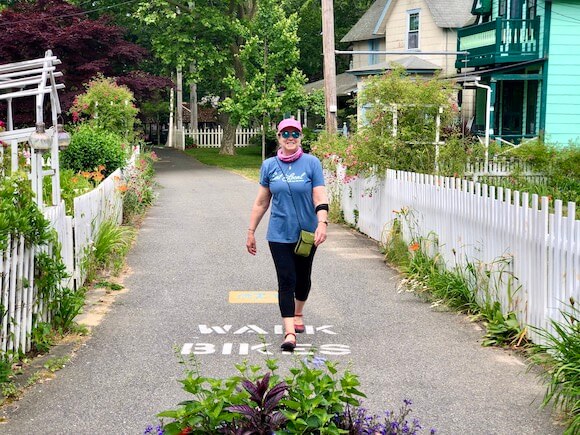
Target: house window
{"x": 531, "y": 10}
{"x": 413, "y": 30}
{"x": 502, "y": 8}
{"x": 516, "y": 7}
{"x": 373, "y": 46}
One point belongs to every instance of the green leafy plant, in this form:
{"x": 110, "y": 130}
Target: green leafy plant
{"x": 9, "y": 390}
{"x": 316, "y": 396}
{"x": 108, "y": 250}
{"x": 93, "y": 146}
{"x": 501, "y": 328}
{"x": 111, "y": 245}
{"x": 5, "y": 369}
{"x": 66, "y": 305}
{"x": 56, "y": 364}
{"x": 20, "y": 215}
{"x": 313, "y": 399}
{"x": 557, "y": 168}
{"x": 109, "y": 285}
{"x": 42, "y": 337}
{"x": 560, "y": 356}
{"x": 206, "y": 412}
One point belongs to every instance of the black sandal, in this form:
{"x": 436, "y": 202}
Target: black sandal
{"x": 289, "y": 346}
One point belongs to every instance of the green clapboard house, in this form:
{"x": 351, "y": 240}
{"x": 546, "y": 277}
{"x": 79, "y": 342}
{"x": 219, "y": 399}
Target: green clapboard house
{"x": 524, "y": 54}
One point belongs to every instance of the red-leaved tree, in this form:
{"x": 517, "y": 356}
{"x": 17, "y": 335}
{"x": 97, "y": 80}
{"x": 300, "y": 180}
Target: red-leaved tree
{"x": 85, "y": 46}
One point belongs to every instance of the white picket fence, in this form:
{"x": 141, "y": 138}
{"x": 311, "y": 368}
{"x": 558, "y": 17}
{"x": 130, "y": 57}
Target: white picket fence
{"x": 212, "y": 138}
{"x": 105, "y": 203}
{"x": 504, "y": 233}
{"x": 18, "y": 294}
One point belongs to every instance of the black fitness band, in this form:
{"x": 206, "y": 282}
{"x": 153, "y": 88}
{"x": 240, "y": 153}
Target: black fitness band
{"x": 321, "y": 207}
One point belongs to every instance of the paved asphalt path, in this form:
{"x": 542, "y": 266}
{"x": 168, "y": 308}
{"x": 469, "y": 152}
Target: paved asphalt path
{"x": 190, "y": 254}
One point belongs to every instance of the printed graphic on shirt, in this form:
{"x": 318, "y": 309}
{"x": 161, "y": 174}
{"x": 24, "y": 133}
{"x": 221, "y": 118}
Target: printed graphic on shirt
{"x": 291, "y": 178}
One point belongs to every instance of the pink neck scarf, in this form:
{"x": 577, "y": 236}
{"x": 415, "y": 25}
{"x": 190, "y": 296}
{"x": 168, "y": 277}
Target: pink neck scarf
{"x": 292, "y": 157}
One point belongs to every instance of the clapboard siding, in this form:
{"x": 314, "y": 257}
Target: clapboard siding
{"x": 563, "y": 84}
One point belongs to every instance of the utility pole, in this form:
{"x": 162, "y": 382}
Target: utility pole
{"x": 329, "y": 65}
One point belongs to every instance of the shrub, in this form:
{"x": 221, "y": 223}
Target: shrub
{"x": 20, "y": 215}
{"x": 138, "y": 185}
{"x": 309, "y": 138}
{"x": 107, "y": 105}
{"x": 91, "y": 147}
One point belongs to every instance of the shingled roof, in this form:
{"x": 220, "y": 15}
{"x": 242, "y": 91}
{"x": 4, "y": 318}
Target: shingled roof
{"x": 345, "y": 85}
{"x": 451, "y": 14}
{"x": 446, "y": 14}
{"x": 369, "y": 26}
{"x": 410, "y": 63}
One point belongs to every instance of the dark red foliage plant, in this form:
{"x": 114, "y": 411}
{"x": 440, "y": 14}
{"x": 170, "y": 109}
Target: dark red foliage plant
{"x": 85, "y": 46}
{"x": 263, "y": 418}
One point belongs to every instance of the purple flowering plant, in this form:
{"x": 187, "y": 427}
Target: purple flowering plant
{"x": 361, "y": 421}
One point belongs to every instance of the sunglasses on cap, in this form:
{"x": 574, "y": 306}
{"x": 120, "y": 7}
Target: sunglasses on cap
{"x": 286, "y": 134}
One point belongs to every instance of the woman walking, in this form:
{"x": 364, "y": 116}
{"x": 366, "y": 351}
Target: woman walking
{"x": 293, "y": 183}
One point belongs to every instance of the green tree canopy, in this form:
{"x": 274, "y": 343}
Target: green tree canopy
{"x": 244, "y": 51}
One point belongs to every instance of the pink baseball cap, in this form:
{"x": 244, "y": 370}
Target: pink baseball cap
{"x": 289, "y": 122}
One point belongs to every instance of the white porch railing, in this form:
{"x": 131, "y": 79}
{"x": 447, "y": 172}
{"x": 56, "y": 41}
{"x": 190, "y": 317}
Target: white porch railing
{"x": 503, "y": 167}
{"x": 212, "y": 138}
{"x": 479, "y": 224}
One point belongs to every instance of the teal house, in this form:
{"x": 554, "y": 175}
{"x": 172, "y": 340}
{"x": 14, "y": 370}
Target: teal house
{"x": 523, "y": 59}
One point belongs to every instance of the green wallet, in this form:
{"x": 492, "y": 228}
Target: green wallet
{"x": 304, "y": 244}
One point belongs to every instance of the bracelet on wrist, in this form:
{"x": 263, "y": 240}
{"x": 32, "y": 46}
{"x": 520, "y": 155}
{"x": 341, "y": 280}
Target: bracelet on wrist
{"x": 323, "y": 222}
{"x": 251, "y": 230}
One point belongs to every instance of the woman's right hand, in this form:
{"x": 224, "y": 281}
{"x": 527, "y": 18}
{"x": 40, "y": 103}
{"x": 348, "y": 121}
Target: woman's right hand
{"x": 251, "y": 243}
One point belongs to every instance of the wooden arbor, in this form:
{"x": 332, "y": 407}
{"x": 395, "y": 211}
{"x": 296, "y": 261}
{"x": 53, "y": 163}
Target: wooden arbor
{"x": 33, "y": 79}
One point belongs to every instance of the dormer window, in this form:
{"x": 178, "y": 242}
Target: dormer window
{"x": 413, "y": 30}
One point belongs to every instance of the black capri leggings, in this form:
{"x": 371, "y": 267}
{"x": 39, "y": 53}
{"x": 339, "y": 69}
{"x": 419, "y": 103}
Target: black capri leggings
{"x": 293, "y": 274}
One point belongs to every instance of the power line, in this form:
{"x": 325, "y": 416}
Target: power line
{"x": 574, "y": 20}
{"x": 68, "y": 15}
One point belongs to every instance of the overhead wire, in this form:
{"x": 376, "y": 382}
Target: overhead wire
{"x": 571, "y": 20}
{"x": 69, "y": 15}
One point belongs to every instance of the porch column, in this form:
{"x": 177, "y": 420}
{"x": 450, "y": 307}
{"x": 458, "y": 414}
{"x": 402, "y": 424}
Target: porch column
{"x": 493, "y": 86}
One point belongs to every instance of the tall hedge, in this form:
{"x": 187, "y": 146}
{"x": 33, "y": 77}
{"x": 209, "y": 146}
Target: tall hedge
{"x": 92, "y": 146}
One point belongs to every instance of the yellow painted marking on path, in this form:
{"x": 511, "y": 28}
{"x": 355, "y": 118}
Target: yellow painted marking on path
{"x": 253, "y": 297}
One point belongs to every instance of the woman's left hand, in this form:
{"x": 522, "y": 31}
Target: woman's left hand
{"x": 320, "y": 234}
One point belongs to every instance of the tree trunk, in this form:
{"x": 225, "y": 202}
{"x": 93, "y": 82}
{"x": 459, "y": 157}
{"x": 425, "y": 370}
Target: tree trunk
{"x": 228, "y": 145}
{"x": 193, "y": 101}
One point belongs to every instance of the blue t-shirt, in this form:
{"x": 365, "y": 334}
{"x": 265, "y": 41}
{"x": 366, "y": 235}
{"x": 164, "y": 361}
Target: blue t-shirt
{"x": 302, "y": 175}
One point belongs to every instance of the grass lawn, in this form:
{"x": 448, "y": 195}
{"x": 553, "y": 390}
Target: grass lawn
{"x": 246, "y": 162}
